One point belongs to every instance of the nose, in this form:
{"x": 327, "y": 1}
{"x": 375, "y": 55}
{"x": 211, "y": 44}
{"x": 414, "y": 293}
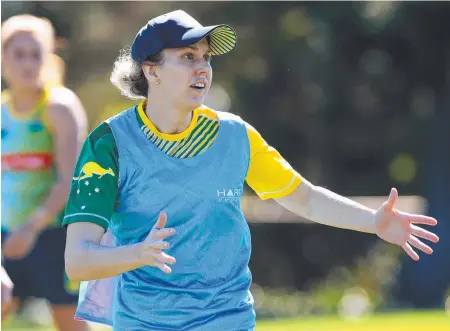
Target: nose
{"x": 203, "y": 69}
{"x": 30, "y": 63}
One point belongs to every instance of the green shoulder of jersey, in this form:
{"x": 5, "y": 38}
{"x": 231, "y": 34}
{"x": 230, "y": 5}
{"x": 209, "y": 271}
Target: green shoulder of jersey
{"x": 93, "y": 191}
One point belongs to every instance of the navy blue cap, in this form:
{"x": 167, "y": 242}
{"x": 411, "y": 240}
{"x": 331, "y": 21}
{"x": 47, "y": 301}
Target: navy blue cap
{"x": 178, "y": 29}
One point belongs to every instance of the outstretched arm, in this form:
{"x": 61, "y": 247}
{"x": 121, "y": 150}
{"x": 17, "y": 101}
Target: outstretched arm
{"x": 272, "y": 177}
{"x": 323, "y": 206}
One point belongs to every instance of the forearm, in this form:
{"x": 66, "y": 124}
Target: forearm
{"x": 94, "y": 261}
{"x": 322, "y": 206}
{"x": 67, "y": 121}
{"x": 5, "y": 278}
{"x": 52, "y": 205}
{"x": 56, "y": 199}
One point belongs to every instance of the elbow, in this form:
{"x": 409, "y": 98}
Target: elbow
{"x": 75, "y": 268}
{"x": 305, "y": 194}
{"x": 299, "y": 201}
{"x": 64, "y": 187}
{"x": 73, "y": 273}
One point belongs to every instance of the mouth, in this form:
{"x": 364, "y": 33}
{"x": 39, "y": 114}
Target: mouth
{"x": 28, "y": 74}
{"x": 198, "y": 86}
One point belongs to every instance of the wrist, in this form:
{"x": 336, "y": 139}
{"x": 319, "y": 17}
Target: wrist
{"x": 138, "y": 252}
{"x": 373, "y": 223}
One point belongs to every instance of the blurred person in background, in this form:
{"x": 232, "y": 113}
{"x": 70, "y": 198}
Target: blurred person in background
{"x": 7, "y": 287}
{"x": 42, "y": 126}
{"x": 169, "y": 173}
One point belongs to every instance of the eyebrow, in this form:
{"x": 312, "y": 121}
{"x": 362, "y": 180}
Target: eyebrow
{"x": 195, "y": 48}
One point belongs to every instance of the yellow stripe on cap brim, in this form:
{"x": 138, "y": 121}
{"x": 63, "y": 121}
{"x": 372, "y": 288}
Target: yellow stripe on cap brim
{"x": 222, "y": 40}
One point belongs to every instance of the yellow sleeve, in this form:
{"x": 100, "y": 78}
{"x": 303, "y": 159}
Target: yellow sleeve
{"x": 269, "y": 175}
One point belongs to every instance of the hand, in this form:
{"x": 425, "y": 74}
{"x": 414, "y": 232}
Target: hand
{"x": 7, "y": 287}
{"x": 19, "y": 243}
{"x": 398, "y": 227}
{"x": 151, "y": 248}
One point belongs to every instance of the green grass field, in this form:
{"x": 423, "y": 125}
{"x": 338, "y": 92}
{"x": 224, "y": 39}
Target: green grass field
{"x": 412, "y": 321}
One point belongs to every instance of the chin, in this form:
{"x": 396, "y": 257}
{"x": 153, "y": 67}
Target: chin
{"x": 194, "y": 104}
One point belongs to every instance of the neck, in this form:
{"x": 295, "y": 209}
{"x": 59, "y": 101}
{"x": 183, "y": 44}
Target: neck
{"x": 24, "y": 99}
{"x": 169, "y": 120}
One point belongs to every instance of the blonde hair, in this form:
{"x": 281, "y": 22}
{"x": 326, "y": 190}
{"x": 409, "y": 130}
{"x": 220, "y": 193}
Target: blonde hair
{"x": 42, "y": 29}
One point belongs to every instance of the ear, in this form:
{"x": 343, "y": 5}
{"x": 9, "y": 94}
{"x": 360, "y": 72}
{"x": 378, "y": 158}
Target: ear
{"x": 149, "y": 70}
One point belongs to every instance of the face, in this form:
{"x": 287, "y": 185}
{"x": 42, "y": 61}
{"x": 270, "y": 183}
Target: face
{"x": 22, "y": 61}
{"x": 184, "y": 76}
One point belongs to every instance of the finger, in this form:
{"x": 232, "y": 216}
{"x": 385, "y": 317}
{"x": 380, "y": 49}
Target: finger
{"x": 421, "y": 219}
{"x": 420, "y": 245}
{"x": 161, "y": 222}
{"x": 160, "y": 244}
{"x": 161, "y": 234}
{"x": 392, "y": 200}
{"x": 422, "y": 233}
{"x": 166, "y": 269}
{"x": 164, "y": 258}
{"x": 408, "y": 249}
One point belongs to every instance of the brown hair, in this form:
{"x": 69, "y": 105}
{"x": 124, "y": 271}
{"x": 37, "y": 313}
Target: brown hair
{"x": 128, "y": 77}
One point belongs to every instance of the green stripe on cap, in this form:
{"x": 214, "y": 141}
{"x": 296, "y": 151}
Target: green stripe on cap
{"x": 222, "y": 40}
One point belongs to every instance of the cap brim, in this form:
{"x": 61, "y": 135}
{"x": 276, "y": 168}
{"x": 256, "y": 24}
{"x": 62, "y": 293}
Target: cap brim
{"x": 222, "y": 37}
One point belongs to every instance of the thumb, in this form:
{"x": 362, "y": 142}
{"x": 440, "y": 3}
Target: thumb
{"x": 161, "y": 222}
{"x": 392, "y": 200}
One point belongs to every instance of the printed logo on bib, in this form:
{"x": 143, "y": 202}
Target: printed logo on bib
{"x": 26, "y": 162}
{"x": 229, "y": 195}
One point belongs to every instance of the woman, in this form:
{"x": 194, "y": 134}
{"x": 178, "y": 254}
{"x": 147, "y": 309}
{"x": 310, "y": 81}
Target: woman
{"x": 43, "y": 125}
{"x": 168, "y": 174}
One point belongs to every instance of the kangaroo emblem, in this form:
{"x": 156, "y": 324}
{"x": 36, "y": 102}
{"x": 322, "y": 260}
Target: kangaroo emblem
{"x": 92, "y": 168}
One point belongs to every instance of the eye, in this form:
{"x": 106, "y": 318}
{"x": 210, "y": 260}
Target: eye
{"x": 36, "y": 55}
{"x": 19, "y": 54}
{"x": 208, "y": 57}
{"x": 188, "y": 56}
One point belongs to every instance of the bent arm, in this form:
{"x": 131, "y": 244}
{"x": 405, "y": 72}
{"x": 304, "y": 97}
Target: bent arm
{"x": 88, "y": 213}
{"x": 87, "y": 259}
{"x": 323, "y": 206}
